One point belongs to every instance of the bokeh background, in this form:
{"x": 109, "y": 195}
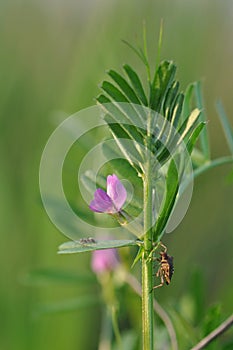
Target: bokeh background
{"x": 53, "y": 55}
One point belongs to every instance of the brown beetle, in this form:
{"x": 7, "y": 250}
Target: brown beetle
{"x": 166, "y": 268}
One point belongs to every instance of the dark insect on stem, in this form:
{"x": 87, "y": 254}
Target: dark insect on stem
{"x": 166, "y": 267}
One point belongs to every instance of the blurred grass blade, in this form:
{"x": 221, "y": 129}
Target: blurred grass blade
{"x": 129, "y": 340}
{"x": 136, "y": 83}
{"x": 204, "y": 138}
{"x": 82, "y": 246}
{"x": 172, "y": 187}
{"x": 225, "y": 125}
{"x": 212, "y": 319}
{"x": 68, "y": 305}
{"x": 55, "y": 276}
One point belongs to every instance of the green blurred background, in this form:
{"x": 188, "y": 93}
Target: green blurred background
{"x": 53, "y": 55}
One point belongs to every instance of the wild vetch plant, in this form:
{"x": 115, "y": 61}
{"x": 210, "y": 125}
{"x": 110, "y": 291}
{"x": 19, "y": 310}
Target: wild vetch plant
{"x": 152, "y": 144}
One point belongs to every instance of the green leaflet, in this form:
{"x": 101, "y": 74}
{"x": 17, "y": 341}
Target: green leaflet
{"x": 188, "y": 125}
{"x": 128, "y": 111}
{"x": 188, "y": 102}
{"x": 170, "y": 99}
{"x": 193, "y": 138}
{"x": 162, "y": 81}
{"x": 125, "y": 87}
{"x": 172, "y": 187}
{"x": 80, "y": 246}
{"x": 126, "y": 146}
{"x": 136, "y": 83}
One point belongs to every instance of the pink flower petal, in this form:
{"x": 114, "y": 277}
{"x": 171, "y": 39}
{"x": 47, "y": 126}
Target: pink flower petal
{"x": 116, "y": 191}
{"x": 104, "y": 260}
{"x": 102, "y": 203}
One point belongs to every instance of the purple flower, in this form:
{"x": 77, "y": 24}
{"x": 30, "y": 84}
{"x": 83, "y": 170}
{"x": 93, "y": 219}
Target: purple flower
{"x": 112, "y": 201}
{"x": 104, "y": 260}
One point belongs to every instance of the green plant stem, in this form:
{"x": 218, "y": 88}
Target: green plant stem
{"x": 212, "y": 164}
{"x": 147, "y": 296}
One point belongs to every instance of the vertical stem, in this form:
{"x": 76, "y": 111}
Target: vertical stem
{"x": 147, "y": 295}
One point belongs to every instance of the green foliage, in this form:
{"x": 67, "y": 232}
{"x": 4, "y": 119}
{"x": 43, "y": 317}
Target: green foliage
{"x": 82, "y": 246}
{"x": 136, "y": 84}
{"x": 67, "y": 305}
{"x": 211, "y": 321}
{"x": 125, "y": 105}
{"x": 172, "y": 186}
{"x": 55, "y": 276}
{"x": 159, "y": 88}
{"x": 204, "y": 139}
{"x": 225, "y": 125}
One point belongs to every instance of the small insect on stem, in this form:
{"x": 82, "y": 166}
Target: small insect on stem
{"x": 86, "y": 241}
{"x": 166, "y": 267}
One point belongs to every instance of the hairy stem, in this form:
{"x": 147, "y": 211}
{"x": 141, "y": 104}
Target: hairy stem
{"x": 147, "y": 296}
{"x": 133, "y": 282}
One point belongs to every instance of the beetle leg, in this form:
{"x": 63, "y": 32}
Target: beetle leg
{"x": 163, "y": 246}
{"x": 159, "y": 273}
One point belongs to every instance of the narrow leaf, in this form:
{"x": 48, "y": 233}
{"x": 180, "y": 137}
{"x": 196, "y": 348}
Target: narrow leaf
{"x": 189, "y": 124}
{"x": 170, "y": 99}
{"x": 204, "y": 138}
{"x": 172, "y": 187}
{"x": 126, "y": 122}
{"x": 193, "y": 138}
{"x": 136, "y": 83}
{"x": 113, "y": 92}
{"x": 81, "y": 246}
{"x": 138, "y": 52}
{"x": 124, "y": 85}
{"x": 130, "y": 149}
{"x": 124, "y": 113}
{"x": 187, "y": 105}
{"x": 162, "y": 81}
{"x": 138, "y": 256}
{"x": 177, "y": 110}
{"x": 225, "y": 124}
